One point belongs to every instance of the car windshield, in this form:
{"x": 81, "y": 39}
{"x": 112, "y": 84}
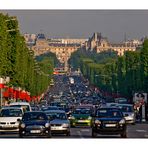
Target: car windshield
{"x": 55, "y": 115}
{"x": 11, "y": 113}
{"x": 126, "y": 108}
{"x": 25, "y": 107}
{"x": 82, "y": 111}
{"x": 34, "y": 116}
{"x": 108, "y": 113}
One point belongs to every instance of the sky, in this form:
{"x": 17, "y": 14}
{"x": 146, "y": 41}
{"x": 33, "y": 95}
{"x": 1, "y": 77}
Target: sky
{"x": 113, "y": 24}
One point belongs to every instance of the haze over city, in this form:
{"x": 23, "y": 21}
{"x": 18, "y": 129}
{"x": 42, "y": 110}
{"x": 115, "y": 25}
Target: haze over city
{"x": 113, "y": 24}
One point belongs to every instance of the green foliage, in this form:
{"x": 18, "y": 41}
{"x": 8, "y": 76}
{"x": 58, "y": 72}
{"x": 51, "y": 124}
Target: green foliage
{"x": 122, "y": 75}
{"x": 17, "y": 60}
{"x": 144, "y": 65}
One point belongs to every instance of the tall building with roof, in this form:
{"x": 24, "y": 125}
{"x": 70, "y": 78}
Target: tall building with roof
{"x": 98, "y": 44}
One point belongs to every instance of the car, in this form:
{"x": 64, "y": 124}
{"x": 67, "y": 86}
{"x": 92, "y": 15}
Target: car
{"x": 128, "y": 112}
{"x": 81, "y": 117}
{"x": 51, "y": 108}
{"x": 109, "y": 121}
{"x": 9, "y": 119}
{"x": 121, "y": 100}
{"x": 59, "y": 122}
{"x": 35, "y": 108}
{"x": 34, "y": 123}
{"x": 25, "y": 105}
{"x": 55, "y": 103}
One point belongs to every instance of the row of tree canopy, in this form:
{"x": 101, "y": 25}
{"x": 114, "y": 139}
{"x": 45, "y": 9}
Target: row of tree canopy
{"x": 17, "y": 61}
{"x": 123, "y": 75}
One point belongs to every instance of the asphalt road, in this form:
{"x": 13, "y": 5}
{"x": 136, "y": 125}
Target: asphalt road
{"x": 133, "y": 131}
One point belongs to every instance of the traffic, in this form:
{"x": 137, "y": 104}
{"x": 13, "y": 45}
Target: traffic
{"x": 71, "y": 109}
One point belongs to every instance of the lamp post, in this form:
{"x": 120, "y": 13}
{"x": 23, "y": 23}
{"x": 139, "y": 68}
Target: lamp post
{"x": 95, "y": 79}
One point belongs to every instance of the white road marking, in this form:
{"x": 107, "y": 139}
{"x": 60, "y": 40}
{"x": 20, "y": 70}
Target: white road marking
{"x": 79, "y": 133}
{"x": 141, "y": 131}
{"x": 85, "y": 130}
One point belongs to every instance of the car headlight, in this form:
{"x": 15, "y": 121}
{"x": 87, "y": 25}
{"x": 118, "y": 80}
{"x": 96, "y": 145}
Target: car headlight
{"x": 71, "y": 118}
{"x": 89, "y": 118}
{"x": 65, "y": 125}
{"x": 23, "y": 125}
{"x": 122, "y": 121}
{"x": 47, "y": 125}
{"x": 132, "y": 114}
{"x": 97, "y": 122}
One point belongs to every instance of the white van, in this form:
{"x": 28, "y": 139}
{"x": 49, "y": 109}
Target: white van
{"x": 25, "y": 105}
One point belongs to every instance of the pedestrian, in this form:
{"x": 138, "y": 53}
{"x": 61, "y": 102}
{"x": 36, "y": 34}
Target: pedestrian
{"x": 140, "y": 113}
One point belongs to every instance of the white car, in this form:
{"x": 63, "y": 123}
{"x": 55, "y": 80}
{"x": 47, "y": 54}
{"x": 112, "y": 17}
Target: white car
{"x": 10, "y": 118}
{"x": 25, "y": 105}
{"x": 128, "y": 112}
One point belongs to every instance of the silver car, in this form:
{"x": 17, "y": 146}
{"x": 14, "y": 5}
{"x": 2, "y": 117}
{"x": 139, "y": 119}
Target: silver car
{"x": 128, "y": 112}
{"x": 59, "y": 122}
{"x": 9, "y": 119}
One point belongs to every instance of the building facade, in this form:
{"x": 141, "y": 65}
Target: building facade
{"x": 63, "y": 48}
{"x": 99, "y": 44}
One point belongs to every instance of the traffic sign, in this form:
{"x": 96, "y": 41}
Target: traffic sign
{"x": 140, "y": 97}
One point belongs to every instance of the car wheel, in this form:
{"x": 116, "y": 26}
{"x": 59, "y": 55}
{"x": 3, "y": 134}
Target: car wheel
{"x": 68, "y": 134}
{"x": 124, "y": 135}
{"x": 20, "y": 136}
{"x": 72, "y": 126}
{"x": 49, "y": 135}
{"x": 2, "y": 133}
{"x": 94, "y": 135}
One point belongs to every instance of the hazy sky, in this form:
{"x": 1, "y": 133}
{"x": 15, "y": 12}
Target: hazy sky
{"x": 82, "y": 23}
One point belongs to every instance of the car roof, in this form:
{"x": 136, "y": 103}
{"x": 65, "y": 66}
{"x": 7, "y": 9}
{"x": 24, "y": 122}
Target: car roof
{"x": 125, "y": 104}
{"x": 9, "y": 107}
{"x": 109, "y": 108}
{"x": 19, "y": 103}
{"x": 57, "y": 111}
{"x": 28, "y": 112}
{"x": 52, "y": 106}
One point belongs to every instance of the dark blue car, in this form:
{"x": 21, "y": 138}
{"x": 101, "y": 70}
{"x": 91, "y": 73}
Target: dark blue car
{"x": 109, "y": 121}
{"x": 34, "y": 123}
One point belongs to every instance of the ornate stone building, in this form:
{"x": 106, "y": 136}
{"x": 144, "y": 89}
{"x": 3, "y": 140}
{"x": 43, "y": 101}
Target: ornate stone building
{"x": 63, "y": 48}
{"x": 98, "y": 44}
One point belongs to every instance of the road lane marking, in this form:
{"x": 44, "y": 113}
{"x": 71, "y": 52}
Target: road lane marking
{"x": 85, "y": 130}
{"x": 141, "y": 131}
{"x": 79, "y": 133}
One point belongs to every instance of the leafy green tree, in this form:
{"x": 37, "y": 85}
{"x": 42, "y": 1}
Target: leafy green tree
{"x": 144, "y": 65}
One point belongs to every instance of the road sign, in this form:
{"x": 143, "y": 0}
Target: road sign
{"x": 140, "y": 98}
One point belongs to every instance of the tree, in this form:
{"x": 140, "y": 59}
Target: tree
{"x": 144, "y": 65}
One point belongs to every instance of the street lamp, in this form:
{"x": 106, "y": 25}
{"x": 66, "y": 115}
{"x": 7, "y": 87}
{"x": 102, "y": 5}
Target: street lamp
{"x": 95, "y": 78}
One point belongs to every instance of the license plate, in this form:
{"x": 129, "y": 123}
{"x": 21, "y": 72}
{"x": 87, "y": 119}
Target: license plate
{"x": 7, "y": 126}
{"x": 35, "y": 131}
{"x": 81, "y": 120}
{"x": 110, "y": 125}
{"x": 55, "y": 128}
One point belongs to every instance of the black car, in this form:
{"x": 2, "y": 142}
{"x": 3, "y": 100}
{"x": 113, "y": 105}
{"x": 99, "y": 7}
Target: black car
{"x": 34, "y": 123}
{"x": 109, "y": 121}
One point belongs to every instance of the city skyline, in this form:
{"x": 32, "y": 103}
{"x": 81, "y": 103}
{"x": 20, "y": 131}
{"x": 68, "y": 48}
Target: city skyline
{"x": 113, "y": 24}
